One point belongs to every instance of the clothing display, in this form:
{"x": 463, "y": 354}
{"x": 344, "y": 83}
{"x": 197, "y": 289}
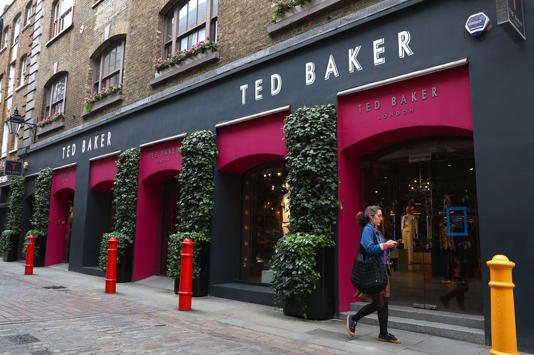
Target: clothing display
{"x": 408, "y": 229}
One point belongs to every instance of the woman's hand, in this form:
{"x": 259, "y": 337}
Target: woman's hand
{"x": 391, "y": 244}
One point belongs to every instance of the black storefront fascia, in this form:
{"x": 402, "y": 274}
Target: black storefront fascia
{"x": 500, "y": 74}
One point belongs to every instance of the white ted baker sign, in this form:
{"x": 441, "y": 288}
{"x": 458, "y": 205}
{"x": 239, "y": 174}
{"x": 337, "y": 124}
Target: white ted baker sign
{"x": 311, "y": 73}
{"x": 87, "y": 144}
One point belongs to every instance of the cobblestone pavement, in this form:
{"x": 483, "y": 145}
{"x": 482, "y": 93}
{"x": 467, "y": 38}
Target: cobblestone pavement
{"x": 37, "y": 317}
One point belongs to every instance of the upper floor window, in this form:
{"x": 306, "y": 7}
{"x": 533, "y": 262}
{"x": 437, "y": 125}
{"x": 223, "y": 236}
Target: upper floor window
{"x": 1, "y": 87}
{"x": 55, "y": 96}
{"x": 29, "y": 13}
{"x": 11, "y": 82}
{"x": 23, "y": 69}
{"x": 62, "y": 13}
{"x": 188, "y": 23}
{"x": 6, "y": 37}
{"x": 16, "y": 30}
{"x": 108, "y": 67}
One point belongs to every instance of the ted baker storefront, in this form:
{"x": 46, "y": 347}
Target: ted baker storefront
{"x": 424, "y": 130}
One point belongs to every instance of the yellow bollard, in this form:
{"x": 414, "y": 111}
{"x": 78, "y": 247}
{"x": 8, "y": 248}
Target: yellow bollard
{"x": 503, "y": 336}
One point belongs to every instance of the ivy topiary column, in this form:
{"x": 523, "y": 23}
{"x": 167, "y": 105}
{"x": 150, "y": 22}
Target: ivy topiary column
{"x": 125, "y": 186}
{"x": 303, "y": 261}
{"x": 41, "y": 210}
{"x": 195, "y": 207}
{"x": 9, "y": 239}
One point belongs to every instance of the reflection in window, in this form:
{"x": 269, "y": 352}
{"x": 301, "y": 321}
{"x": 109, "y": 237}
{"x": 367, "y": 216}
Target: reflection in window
{"x": 187, "y": 25}
{"x": 62, "y": 14}
{"x": 265, "y": 219}
{"x": 55, "y": 96}
{"x": 108, "y": 67}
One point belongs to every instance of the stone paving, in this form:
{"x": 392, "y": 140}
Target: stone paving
{"x": 39, "y": 320}
{"x": 60, "y": 312}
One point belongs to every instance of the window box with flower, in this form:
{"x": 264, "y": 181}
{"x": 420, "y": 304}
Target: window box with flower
{"x": 288, "y": 12}
{"x": 51, "y": 123}
{"x": 203, "y": 52}
{"x": 101, "y": 99}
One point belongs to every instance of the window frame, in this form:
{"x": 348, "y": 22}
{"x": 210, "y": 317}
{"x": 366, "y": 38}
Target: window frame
{"x": 209, "y": 23}
{"x": 23, "y": 70}
{"x": 11, "y": 79}
{"x": 99, "y": 61}
{"x": 48, "y": 95}
{"x": 5, "y": 37}
{"x": 16, "y": 33}
{"x": 28, "y": 14}
{"x": 58, "y": 18}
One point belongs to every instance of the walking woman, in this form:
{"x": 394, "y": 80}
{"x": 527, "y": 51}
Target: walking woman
{"x": 373, "y": 242}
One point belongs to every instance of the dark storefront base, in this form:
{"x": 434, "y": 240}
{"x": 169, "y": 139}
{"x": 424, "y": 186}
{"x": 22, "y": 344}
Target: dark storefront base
{"x": 246, "y": 292}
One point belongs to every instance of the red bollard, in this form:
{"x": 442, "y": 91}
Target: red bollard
{"x": 185, "y": 290}
{"x": 30, "y": 250}
{"x": 111, "y": 269}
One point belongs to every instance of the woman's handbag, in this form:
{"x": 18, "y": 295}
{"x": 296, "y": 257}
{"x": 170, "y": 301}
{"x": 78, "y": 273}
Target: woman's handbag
{"x": 369, "y": 272}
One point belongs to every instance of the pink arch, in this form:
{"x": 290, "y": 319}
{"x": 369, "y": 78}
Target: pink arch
{"x": 63, "y": 182}
{"x": 250, "y": 143}
{"x": 158, "y": 164}
{"x": 103, "y": 173}
{"x": 365, "y": 126}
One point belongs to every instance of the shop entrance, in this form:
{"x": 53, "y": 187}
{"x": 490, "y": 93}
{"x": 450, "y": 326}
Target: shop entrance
{"x": 265, "y": 219}
{"x": 169, "y": 193}
{"x": 427, "y": 191}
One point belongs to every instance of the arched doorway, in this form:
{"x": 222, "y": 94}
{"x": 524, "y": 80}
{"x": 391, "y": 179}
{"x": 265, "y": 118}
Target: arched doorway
{"x": 372, "y": 121}
{"x": 60, "y": 216}
{"x": 157, "y": 199}
{"x": 427, "y": 191}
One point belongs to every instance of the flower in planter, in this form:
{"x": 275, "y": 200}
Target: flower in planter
{"x": 102, "y": 94}
{"x": 50, "y": 119}
{"x": 179, "y": 56}
{"x": 281, "y": 6}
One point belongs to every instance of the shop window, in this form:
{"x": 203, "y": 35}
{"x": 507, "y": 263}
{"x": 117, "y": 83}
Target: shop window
{"x": 265, "y": 219}
{"x": 16, "y": 30}
{"x": 189, "y": 23}
{"x": 62, "y": 15}
{"x": 29, "y": 13}
{"x": 55, "y": 96}
{"x": 108, "y": 67}
{"x": 5, "y": 40}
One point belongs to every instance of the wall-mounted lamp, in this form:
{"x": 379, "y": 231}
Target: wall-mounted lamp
{"x": 15, "y": 122}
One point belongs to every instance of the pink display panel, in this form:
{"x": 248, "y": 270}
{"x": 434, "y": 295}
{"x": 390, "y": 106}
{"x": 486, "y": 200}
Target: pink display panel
{"x": 437, "y": 104}
{"x": 63, "y": 182}
{"x": 102, "y": 173}
{"x": 250, "y": 143}
{"x": 158, "y": 164}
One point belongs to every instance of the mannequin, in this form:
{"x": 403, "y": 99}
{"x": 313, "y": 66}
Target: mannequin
{"x": 408, "y": 228}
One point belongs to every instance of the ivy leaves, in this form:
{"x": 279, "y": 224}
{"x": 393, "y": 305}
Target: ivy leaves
{"x": 196, "y": 178}
{"x": 125, "y": 202}
{"x": 311, "y": 141}
{"x": 43, "y": 187}
{"x": 196, "y": 202}
{"x": 310, "y": 136}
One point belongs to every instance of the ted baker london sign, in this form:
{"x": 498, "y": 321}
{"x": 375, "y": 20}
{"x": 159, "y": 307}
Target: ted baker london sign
{"x": 331, "y": 70}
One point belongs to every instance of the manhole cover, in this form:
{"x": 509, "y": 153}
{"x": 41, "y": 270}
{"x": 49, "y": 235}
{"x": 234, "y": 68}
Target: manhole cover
{"x": 54, "y": 287}
{"x": 22, "y": 339}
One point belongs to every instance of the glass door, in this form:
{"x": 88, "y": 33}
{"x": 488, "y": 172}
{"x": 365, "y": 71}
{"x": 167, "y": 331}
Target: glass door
{"x": 427, "y": 192}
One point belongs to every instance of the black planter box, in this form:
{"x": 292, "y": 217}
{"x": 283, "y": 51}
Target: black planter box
{"x": 39, "y": 256}
{"x": 12, "y": 254}
{"x": 125, "y": 265}
{"x": 320, "y": 304}
{"x": 200, "y": 285}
